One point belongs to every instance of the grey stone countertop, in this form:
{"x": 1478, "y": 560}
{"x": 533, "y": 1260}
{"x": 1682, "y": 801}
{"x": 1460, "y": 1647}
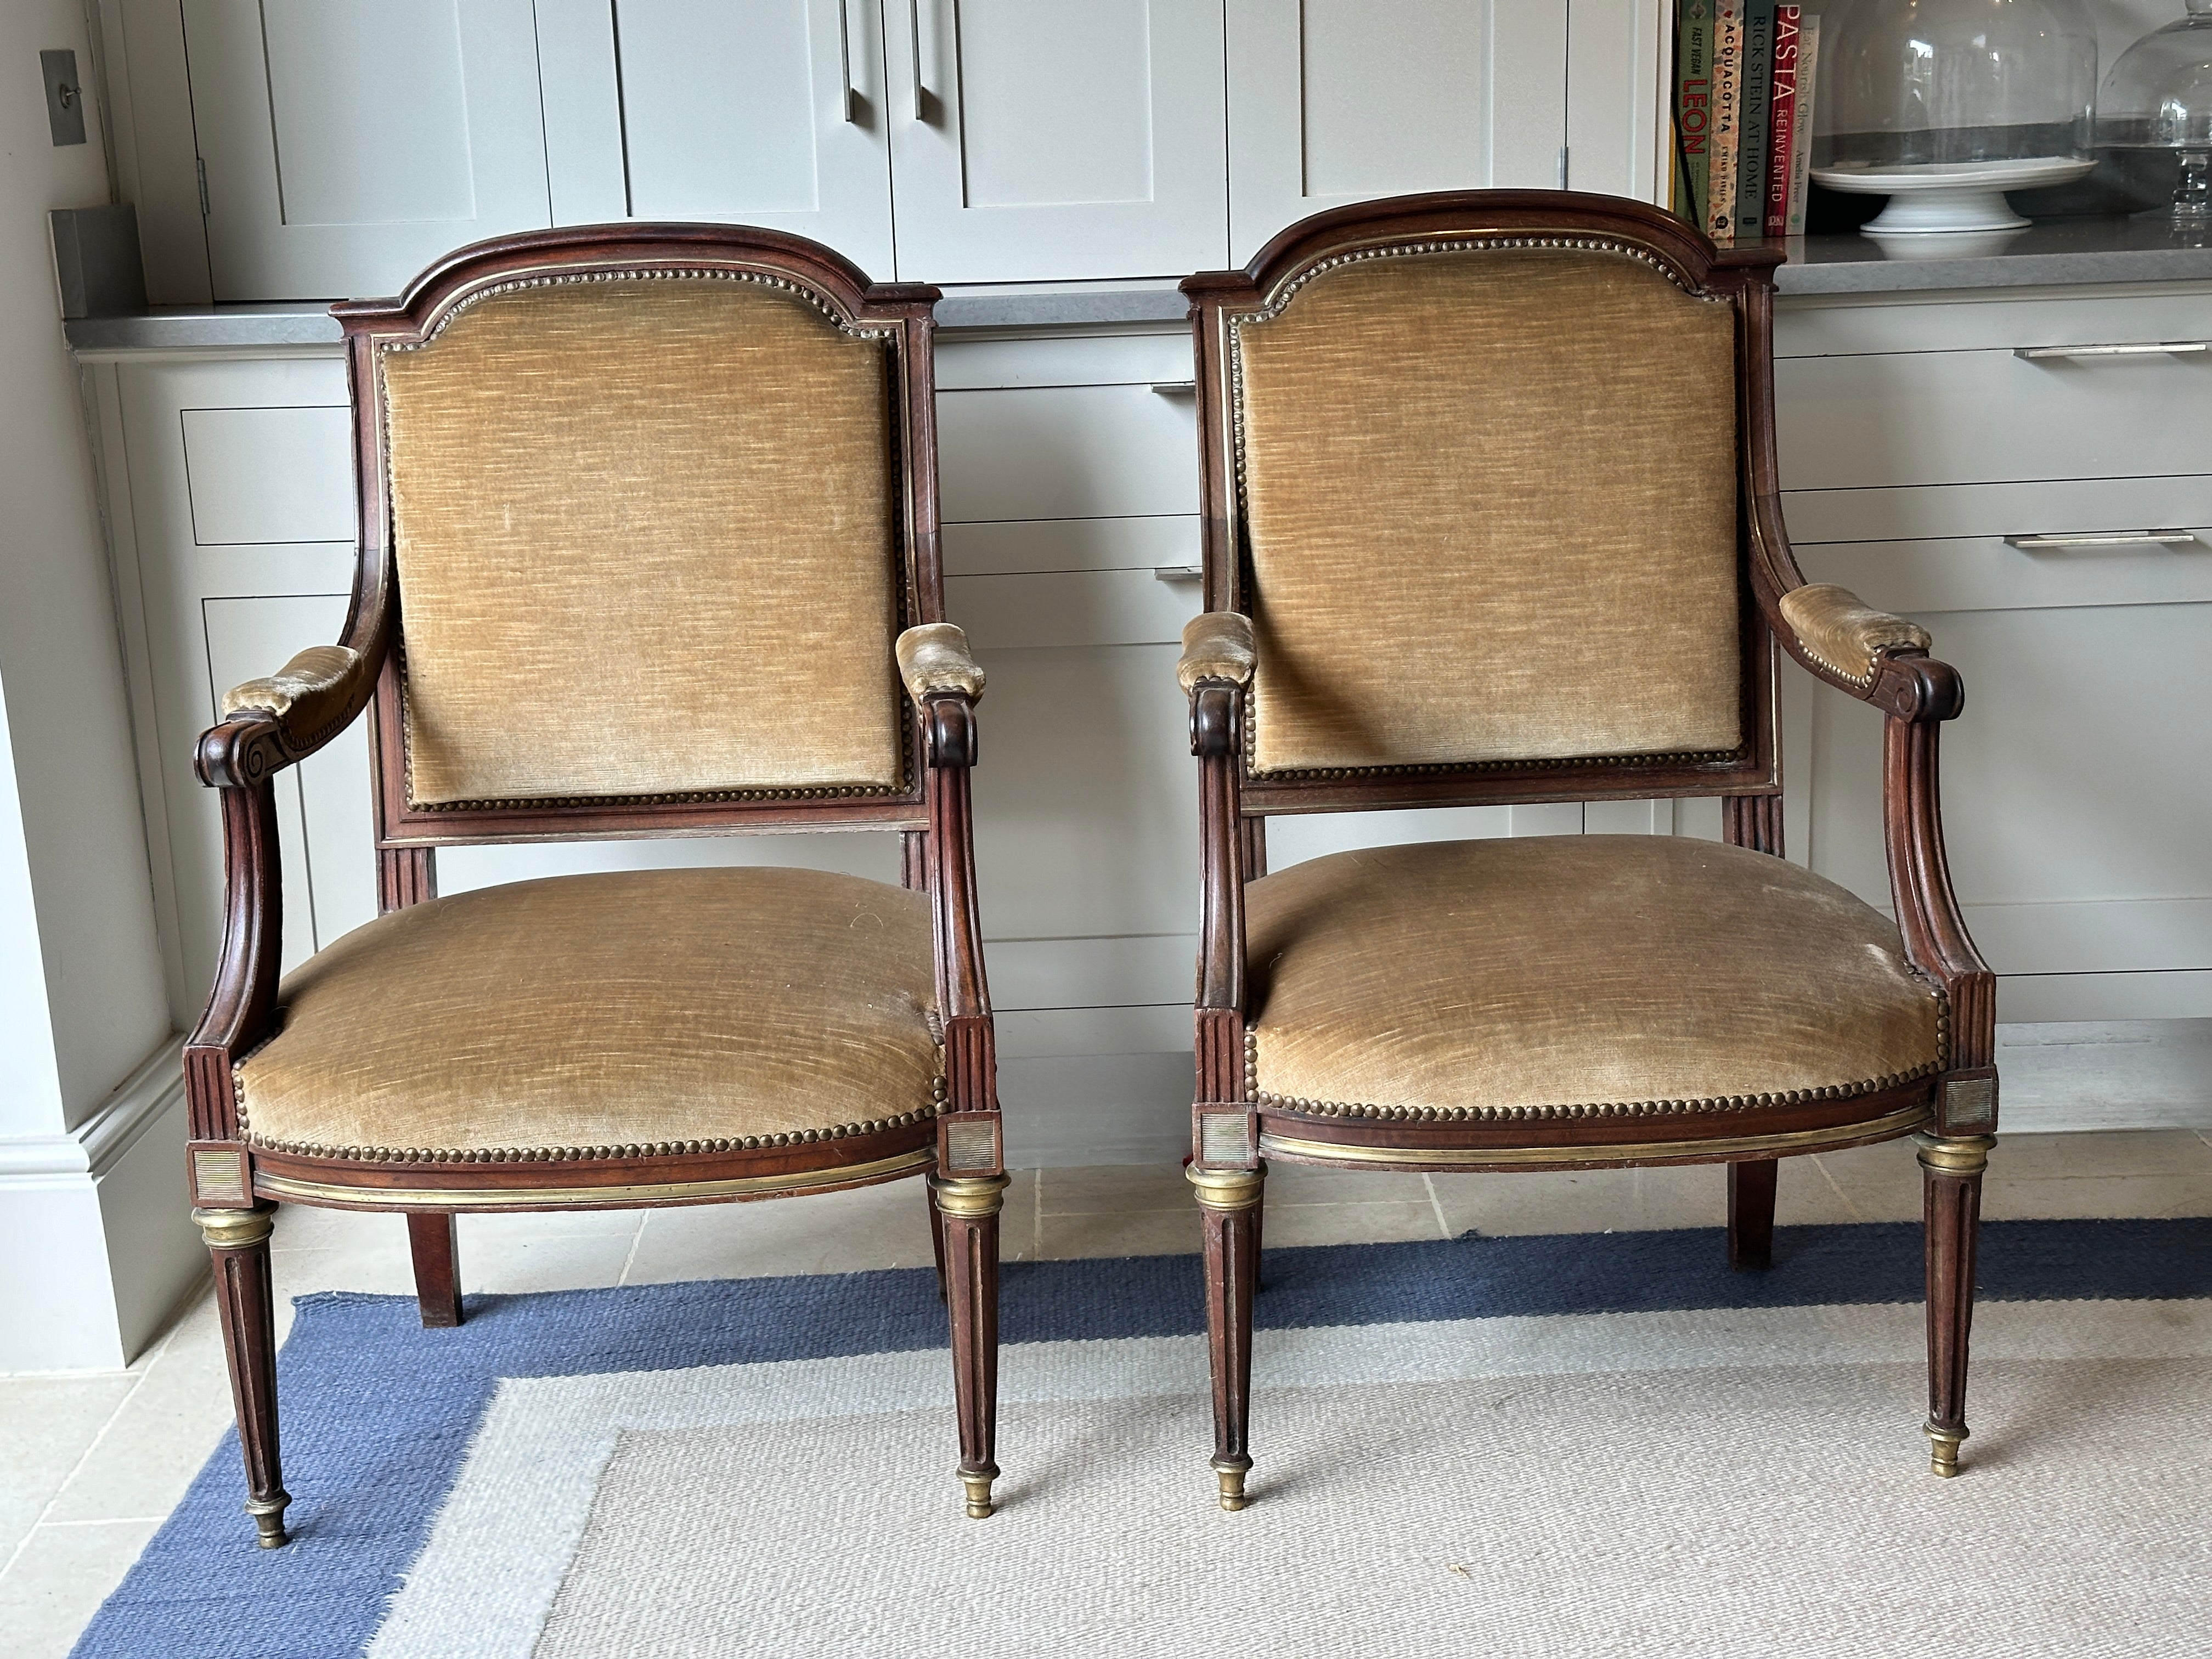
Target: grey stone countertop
{"x": 2055, "y": 252}
{"x": 2051, "y": 254}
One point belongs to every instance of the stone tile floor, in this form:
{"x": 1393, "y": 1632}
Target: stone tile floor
{"x": 91, "y": 1463}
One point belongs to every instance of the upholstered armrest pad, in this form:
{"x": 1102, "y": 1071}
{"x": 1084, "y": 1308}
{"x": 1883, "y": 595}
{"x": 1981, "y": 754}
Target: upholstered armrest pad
{"x": 1844, "y": 634}
{"x": 306, "y": 694}
{"x": 1217, "y": 645}
{"x": 934, "y": 658}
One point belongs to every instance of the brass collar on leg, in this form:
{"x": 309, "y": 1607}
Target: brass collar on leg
{"x": 1957, "y": 1155}
{"x": 234, "y": 1230}
{"x": 968, "y": 1195}
{"x": 1227, "y": 1190}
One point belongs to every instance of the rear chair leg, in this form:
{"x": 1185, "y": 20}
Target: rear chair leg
{"x": 1229, "y": 1204}
{"x": 1952, "y": 1181}
{"x": 969, "y": 1208}
{"x": 432, "y": 1239}
{"x": 238, "y": 1240}
{"x": 1751, "y": 1212}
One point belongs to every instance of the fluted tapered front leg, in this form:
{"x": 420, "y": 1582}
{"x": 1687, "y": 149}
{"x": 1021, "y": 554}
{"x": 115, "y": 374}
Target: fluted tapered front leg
{"x": 245, "y": 1300}
{"x": 1951, "y": 1179}
{"x": 969, "y": 1208}
{"x": 1229, "y": 1202}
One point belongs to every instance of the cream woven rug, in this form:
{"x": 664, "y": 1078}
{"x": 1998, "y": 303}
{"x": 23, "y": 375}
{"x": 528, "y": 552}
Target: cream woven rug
{"x": 1731, "y": 1511}
{"x": 1645, "y": 1484}
{"x": 1584, "y": 1446}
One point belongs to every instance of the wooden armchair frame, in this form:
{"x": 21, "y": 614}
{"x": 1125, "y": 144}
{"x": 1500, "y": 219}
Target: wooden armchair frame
{"x": 1875, "y": 658}
{"x": 235, "y": 1185}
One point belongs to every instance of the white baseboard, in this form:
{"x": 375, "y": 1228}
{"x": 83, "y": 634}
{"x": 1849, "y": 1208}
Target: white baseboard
{"x": 96, "y": 1239}
{"x": 2106, "y": 1074}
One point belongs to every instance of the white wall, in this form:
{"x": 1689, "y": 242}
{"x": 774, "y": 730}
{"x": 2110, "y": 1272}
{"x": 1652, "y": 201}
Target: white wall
{"x": 81, "y": 1007}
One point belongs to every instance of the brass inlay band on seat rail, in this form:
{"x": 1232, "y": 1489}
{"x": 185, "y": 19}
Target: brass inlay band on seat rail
{"x": 294, "y": 1190}
{"x": 1653, "y": 1151}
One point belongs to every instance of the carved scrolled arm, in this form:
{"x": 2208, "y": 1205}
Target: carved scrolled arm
{"x": 934, "y": 661}
{"x": 1217, "y": 645}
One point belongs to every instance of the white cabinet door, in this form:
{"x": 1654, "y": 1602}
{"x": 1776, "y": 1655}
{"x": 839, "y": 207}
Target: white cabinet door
{"x": 348, "y": 143}
{"x": 1342, "y": 100}
{"x": 1034, "y": 140}
{"x": 767, "y": 113}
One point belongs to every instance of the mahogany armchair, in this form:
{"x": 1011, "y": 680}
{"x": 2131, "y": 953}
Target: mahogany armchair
{"x": 1490, "y": 516}
{"x": 648, "y": 547}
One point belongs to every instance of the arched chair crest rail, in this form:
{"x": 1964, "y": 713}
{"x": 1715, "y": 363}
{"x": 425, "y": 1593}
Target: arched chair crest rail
{"x": 648, "y": 547}
{"x": 1490, "y": 516}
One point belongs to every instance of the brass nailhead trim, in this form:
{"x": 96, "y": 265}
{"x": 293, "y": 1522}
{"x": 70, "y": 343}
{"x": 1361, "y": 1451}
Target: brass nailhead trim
{"x": 1592, "y": 1109}
{"x": 938, "y": 1107}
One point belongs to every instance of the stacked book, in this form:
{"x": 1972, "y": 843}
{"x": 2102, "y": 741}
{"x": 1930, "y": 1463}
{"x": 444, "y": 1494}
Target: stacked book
{"x": 1743, "y": 117}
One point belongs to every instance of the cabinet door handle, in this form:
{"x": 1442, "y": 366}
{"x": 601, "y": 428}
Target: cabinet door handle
{"x": 1178, "y": 572}
{"x": 2134, "y": 348}
{"x": 1175, "y": 388}
{"x": 845, "y": 60}
{"x": 914, "y": 40}
{"x": 2104, "y": 538}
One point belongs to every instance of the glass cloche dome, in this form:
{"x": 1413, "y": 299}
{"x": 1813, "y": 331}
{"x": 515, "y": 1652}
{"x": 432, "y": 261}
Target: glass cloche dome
{"x": 2159, "y": 96}
{"x": 1944, "y": 105}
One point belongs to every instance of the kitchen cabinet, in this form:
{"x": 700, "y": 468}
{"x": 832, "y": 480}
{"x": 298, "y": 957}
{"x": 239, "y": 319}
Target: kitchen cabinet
{"x": 345, "y": 144}
{"x": 339, "y": 146}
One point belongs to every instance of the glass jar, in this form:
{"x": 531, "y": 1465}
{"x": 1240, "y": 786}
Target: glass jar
{"x": 2159, "y": 97}
{"x": 1944, "y": 105}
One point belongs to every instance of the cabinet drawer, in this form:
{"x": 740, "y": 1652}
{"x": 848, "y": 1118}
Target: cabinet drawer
{"x": 1067, "y": 452}
{"x": 1071, "y": 607}
{"x": 2076, "y": 784}
{"x": 1810, "y": 326}
{"x": 1941, "y": 418}
{"x": 1086, "y": 796}
{"x": 269, "y": 475}
{"x": 983, "y": 365}
{"x": 1023, "y": 546}
{"x": 2073, "y": 506}
{"x": 1986, "y": 573}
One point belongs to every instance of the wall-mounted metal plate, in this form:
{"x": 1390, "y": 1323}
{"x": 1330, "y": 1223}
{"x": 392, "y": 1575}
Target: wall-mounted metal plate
{"x": 64, "y": 96}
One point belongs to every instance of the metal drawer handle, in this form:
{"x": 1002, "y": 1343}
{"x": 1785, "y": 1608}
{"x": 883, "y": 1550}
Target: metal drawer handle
{"x": 1178, "y": 572}
{"x": 2145, "y": 348}
{"x": 1175, "y": 388}
{"x": 2107, "y": 539}
{"x": 914, "y": 40}
{"x": 845, "y": 61}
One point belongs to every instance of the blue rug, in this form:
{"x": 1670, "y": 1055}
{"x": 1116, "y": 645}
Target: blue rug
{"x": 378, "y": 1415}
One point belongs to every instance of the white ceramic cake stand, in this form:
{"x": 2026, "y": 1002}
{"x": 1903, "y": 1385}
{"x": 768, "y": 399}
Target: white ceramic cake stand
{"x": 1955, "y": 197}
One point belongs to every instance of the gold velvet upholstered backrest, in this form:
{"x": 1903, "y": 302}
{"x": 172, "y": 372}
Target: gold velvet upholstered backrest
{"x": 1486, "y": 496}
{"x": 646, "y": 526}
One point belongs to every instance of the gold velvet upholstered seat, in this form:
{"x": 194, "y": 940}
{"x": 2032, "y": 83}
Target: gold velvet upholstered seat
{"x": 1491, "y": 520}
{"x": 1572, "y": 977}
{"x": 648, "y": 549}
{"x": 727, "y": 1009}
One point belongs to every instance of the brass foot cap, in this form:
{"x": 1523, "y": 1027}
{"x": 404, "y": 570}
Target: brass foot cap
{"x": 1231, "y": 1473}
{"x": 978, "y": 1484}
{"x": 1943, "y": 1450}
{"x": 269, "y": 1521}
